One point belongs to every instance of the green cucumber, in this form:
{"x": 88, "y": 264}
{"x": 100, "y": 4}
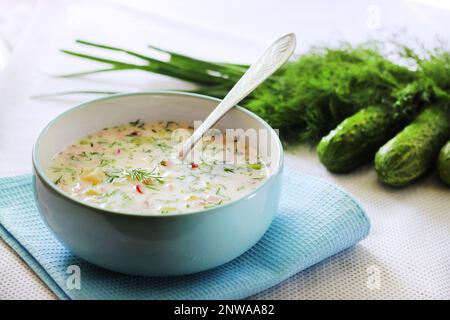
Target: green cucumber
{"x": 356, "y": 139}
{"x": 443, "y": 163}
{"x": 413, "y": 151}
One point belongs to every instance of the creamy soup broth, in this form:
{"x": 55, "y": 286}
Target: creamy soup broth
{"x": 133, "y": 168}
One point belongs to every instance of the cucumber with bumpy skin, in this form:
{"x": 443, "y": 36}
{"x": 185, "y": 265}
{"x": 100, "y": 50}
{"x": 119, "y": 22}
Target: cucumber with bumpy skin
{"x": 413, "y": 151}
{"x": 443, "y": 163}
{"x": 356, "y": 139}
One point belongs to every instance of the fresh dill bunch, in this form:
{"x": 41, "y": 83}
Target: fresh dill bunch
{"x": 411, "y": 97}
{"x": 431, "y": 87}
{"x": 312, "y": 95}
{"x": 436, "y": 68}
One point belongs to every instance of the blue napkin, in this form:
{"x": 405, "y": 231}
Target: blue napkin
{"x": 315, "y": 220}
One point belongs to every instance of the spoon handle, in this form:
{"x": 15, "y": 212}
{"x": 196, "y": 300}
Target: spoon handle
{"x": 270, "y": 61}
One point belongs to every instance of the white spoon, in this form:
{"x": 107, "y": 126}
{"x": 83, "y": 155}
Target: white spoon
{"x": 269, "y": 62}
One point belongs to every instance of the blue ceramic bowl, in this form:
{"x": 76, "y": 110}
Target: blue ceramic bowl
{"x": 156, "y": 245}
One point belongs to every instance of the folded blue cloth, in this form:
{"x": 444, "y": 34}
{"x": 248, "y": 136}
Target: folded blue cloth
{"x": 315, "y": 220}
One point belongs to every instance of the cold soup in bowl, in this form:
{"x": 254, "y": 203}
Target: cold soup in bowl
{"x": 112, "y": 191}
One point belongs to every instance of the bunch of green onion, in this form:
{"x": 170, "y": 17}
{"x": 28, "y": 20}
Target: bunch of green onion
{"x": 311, "y": 95}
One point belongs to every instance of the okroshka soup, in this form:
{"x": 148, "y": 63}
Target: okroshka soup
{"x": 133, "y": 167}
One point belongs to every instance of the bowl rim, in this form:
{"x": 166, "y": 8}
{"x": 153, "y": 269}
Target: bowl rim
{"x": 38, "y": 170}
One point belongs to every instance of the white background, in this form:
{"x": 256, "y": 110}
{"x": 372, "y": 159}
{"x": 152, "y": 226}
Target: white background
{"x": 408, "y": 249}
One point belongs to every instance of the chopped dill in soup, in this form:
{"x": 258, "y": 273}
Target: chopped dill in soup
{"x": 133, "y": 168}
